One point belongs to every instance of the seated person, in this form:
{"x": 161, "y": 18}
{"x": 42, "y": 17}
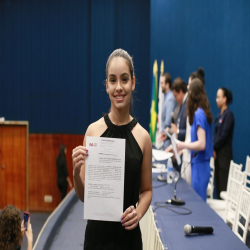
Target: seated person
{"x": 12, "y": 230}
{"x": 168, "y": 107}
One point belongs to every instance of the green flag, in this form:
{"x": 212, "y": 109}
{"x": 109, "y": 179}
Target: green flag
{"x": 154, "y": 104}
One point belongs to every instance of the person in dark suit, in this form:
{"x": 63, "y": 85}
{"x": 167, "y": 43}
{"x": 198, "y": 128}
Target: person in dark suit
{"x": 179, "y": 89}
{"x": 223, "y": 137}
{"x": 63, "y": 179}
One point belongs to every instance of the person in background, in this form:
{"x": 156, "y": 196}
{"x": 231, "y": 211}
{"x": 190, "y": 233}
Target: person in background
{"x": 168, "y": 107}
{"x": 186, "y": 156}
{"x": 12, "y": 230}
{"x": 179, "y": 89}
{"x": 118, "y": 123}
{"x": 63, "y": 179}
{"x": 223, "y": 137}
{"x": 201, "y": 145}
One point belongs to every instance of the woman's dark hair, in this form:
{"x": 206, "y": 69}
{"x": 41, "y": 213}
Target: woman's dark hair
{"x": 10, "y": 228}
{"x": 125, "y": 55}
{"x": 228, "y": 94}
{"x": 197, "y": 98}
{"x": 200, "y": 74}
{"x": 61, "y": 154}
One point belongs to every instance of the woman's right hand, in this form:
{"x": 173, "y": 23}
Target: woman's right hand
{"x": 79, "y": 155}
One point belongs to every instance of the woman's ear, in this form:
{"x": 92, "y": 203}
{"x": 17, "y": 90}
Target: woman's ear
{"x": 106, "y": 83}
{"x": 133, "y": 84}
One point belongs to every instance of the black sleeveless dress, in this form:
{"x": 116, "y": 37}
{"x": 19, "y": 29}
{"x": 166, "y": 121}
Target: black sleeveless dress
{"x": 107, "y": 235}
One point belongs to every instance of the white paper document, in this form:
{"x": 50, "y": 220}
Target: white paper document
{"x": 173, "y": 142}
{"x": 161, "y": 155}
{"x": 104, "y": 178}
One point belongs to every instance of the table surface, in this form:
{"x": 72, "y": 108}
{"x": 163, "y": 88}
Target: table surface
{"x": 171, "y": 224}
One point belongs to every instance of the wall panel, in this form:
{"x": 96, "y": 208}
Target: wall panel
{"x": 43, "y": 150}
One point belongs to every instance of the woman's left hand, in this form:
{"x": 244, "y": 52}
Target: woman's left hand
{"x": 130, "y": 218}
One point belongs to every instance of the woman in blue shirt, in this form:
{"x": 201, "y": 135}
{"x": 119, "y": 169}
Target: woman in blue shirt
{"x": 201, "y": 145}
{"x": 223, "y": 137}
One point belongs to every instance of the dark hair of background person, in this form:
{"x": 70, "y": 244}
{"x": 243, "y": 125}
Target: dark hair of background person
{"x": 179, "y": 85}
{"x": 200, "y": 74}
{"x": 228, "y": 94}
{"x": 168, "y": 79}
{"x": 197, "y": 98}
{"x": 61, "y": 154}
{"x": 125, "y": 55}
{"x": 10, "y": 228}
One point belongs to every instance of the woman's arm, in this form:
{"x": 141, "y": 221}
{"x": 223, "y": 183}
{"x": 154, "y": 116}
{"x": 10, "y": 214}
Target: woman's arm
{"x": 146, "y": 180}
{"x": 28, "y": 233}
{"x": 198, "y": 145}
{"x": 132, "y": 216}
{"x": 69, "y": 182}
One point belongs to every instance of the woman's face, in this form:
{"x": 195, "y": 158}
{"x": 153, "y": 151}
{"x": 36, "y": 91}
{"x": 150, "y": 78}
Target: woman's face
{"x": 220, "y": 99}
{"x": 119, "y": 84}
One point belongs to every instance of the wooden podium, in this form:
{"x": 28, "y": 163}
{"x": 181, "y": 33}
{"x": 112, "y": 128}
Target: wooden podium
{"x": 14, "y": 164}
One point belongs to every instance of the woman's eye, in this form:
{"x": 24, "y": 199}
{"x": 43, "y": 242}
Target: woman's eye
{"x": 112, "y": 80}
{"x": 125, "y": 79}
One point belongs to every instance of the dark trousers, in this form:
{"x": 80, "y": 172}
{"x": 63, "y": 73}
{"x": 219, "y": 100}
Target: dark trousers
{"x": 222, "y": 164}
{"x": 63, "y": 186}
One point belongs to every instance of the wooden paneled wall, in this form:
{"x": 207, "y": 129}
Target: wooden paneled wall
{"x": 43, "y": 150}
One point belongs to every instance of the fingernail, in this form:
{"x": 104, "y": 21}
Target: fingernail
{"x": 87, "y": 154}
{"x": 122, "y": 217}
{"x": 123, "y": 225}
{"x": 121, "y": 221}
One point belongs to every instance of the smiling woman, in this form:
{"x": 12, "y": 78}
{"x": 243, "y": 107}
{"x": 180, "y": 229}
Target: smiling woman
{"x": 124, "y": 79}
{"x": 119, "y": 123}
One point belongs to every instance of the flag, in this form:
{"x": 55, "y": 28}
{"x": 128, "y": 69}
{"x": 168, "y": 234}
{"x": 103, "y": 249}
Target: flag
{"x": 160, "y": 99}
{"x": 158, "y": 144}
{"x": 154, "y": 104}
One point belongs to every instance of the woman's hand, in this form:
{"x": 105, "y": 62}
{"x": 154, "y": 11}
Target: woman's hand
{"x": 180, "y": 145}
{"x": 79, "y": 155}
{"x": 29, "y": 232}
{"x": 22, "y": 228}
{"x": 130, "y": 218}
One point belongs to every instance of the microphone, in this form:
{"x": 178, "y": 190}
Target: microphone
{"x": 197, "y": 230}
{"x": 161, "y": 177}
{"x": 172, "y": 117}
{"x": 176, "y": 201}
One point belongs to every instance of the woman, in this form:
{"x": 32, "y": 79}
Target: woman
{"x": 201, "y": 145}
{"x": 120, "y": 84}
{"x": 186, "y": 158}
{"x": 223, "y": 137}
{"x": 12, "y": 230}
{"x": 63, "y": 179}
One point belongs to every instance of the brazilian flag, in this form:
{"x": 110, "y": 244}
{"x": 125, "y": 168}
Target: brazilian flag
{"x": 154, "y": 104}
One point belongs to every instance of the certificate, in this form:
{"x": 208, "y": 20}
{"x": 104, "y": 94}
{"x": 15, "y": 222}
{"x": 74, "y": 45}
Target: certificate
{"x": 104, "y": 178}
{"x": 173, "y": 142}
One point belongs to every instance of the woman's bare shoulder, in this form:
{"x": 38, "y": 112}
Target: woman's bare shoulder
{"x": 96, "y": 128}
{"x": 142, "y": 137}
